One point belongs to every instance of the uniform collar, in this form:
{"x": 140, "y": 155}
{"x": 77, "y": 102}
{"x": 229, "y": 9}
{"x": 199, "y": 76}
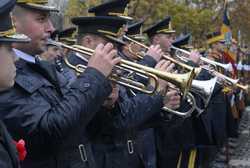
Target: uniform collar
{"x": 24, "y": 56}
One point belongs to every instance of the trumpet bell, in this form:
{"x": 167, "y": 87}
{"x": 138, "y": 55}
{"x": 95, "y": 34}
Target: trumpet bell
{"x": 246, "y": 88}
{"x": 182, "y": 81}
{"x": 204, "y": 89}
{"x": 226, "y": 67}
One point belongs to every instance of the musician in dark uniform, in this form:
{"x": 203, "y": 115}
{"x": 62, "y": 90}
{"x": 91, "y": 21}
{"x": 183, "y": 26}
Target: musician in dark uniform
{"x": 216, "y": 41}
{"x": 208, "y": 135}
{"x": 48, "y": 115}
{"x": 188, "y": 150}
{"x": 230, "y": 96}
{"x": 110, "y": 146}
{"x": 129, "y": 51}
{"x": 56, "y": 54}
{"x": 144, "y": 140}
{"x": 155, "y": 37}
{"x": 179, "y": 136}
{"x": 139, "y": 147}
{"x": 51, "y": 52}
{"x": 8, "y": 153}
{"x": 215, "y": 116}
{"x": 196, "y": 154}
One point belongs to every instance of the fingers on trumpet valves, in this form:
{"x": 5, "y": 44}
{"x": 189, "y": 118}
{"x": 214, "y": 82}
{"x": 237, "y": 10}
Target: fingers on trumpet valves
{"x": 155, "y": 52}
{"x": 107, "y": 56}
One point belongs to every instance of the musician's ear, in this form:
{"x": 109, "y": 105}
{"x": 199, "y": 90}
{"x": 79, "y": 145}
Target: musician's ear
{"x": 156, "y": 39}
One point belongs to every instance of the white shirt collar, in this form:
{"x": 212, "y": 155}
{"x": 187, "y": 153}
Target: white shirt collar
{"x": 24, "y": 56}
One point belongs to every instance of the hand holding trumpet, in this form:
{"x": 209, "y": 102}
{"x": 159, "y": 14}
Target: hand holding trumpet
{"x": 171, "y": 96}
{"x": 104, "y": 59}
{"x": 155, "y": 52}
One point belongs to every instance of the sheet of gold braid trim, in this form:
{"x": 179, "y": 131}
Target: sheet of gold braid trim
{"x": 191, "y": 161}
{"x": 120, "y": 32}
{"x": 192, "y": 158}
{"x": 179, "y": 161}
{"x": 7, "y": 33}
{"x": 33, "y": 1}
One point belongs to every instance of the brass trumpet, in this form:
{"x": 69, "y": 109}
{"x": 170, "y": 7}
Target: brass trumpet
{"x": 227, "y": 67}
{"x": 115, "y": 77}
{"x": 229, "y": 81}
{"x": 179, "y": 53}
{"x": 203, "y": 88}
{"x": 196, "y": 71}
{"x": 182, "y": 81}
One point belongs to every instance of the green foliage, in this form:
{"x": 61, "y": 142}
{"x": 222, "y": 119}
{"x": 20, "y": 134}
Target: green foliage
{"x": 78, "y": 8}
{"x": 186, "y": 18}
{"x": 198, "y": 17}
{"x": 240, "y": 16}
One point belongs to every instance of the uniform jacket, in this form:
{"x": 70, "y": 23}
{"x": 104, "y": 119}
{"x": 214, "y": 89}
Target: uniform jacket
{"x": 51, "y": 117}
{"x": 110, "y": 130}
{"x": 214, "y": 117}
{"x": 8, "y": 152}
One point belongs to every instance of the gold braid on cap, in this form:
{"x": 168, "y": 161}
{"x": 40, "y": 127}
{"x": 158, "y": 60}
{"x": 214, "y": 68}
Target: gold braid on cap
{"x": 168, "y": 30}
{"x": 122, "y": 15}
{"x": 33, "y": 1}
{"x": 7, "y": 33}
{"x": 119, "y": 34}
{"x": 125, "y": 13}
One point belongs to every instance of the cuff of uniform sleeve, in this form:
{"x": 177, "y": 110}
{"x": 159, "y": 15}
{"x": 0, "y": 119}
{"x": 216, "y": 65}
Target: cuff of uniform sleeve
{"x": 149, "y": 61}
{"x": 159, "y": 99}
{"x": 94, "y": 76}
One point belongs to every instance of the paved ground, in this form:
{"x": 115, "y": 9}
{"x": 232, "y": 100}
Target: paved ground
{"x": 239, "y": 150}
{"x": 241, "y": 154}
